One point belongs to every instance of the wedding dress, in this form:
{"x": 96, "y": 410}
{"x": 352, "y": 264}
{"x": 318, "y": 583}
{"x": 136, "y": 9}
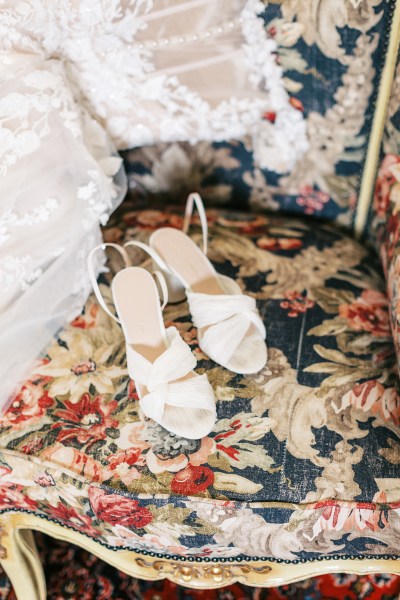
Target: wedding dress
{"x": 81, "y": 79}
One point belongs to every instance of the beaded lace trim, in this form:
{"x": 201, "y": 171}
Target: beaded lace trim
{"x": 142, "y": 103}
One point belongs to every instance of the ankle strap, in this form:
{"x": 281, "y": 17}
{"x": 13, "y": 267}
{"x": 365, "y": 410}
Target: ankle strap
{"x": 152, "y": 253}
{"x": 93, "y": 278}
{"x": 127, "y": 262}
{"x": 195, "y": 199}
{"x": 164, "y": 288}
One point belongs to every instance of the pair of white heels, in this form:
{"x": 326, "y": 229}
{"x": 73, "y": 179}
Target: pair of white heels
{"x": 230, "y": 329}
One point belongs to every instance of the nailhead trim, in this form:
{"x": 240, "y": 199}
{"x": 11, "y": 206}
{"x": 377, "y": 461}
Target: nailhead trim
{"x": 215, "y": 31}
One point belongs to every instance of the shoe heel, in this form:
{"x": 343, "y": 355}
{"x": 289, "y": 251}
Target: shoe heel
{"x": 176, "y": 291}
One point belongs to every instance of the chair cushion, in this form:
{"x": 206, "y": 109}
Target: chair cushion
{"x": 304, "y": 458}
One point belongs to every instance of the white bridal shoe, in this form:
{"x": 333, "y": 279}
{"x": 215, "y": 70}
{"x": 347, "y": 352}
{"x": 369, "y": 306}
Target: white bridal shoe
{"x": 159, "y": 361}
{"x": 230, "y": 329}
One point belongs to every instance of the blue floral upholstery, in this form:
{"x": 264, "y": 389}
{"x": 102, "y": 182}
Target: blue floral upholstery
{"x": 303, "y": 460}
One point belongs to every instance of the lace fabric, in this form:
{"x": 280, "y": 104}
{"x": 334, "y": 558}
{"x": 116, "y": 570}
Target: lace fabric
{"x": 58, "y": 184}
{"x": 175, "y": 69}
{"x": 80, "y": 73}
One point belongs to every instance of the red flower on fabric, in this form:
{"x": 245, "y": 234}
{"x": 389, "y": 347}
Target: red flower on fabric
{"x": 118, "y": 510}
{"x": 85, "y": 421}
{"x": 88, "y": 320}
{"x": 130, "y": 457}
{"x": 273, "y": 244}
{"x": 192, "y": 480}
{"x": 375, "y": 399}
{"x": 369, "y": 313}
{"x": 383, "y": 184}
{"x": 233, "y": 453}
{"x": 31, "y": 403}
{"x": 123, "y": 464}
{"x": 296, "y": 303}
{"x": 68, "y": 515}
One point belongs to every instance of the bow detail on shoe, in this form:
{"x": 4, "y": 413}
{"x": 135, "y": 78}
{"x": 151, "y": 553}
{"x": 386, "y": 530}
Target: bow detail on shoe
{"x": 224, "y": 319}
{"x": 160, "y": 379}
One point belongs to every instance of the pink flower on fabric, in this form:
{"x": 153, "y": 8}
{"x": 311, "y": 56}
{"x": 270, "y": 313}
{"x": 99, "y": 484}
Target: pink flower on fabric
{"x": 273, "y": 244}
{"x": 123, "y": 464}
{"x": 373, "y": 398}
{"x": 296, "y": 303}
{"x": 312, "y": 200}
{"x": 383, "y": 184}
{"x": 29, "y": 405}
{"x": 369, "y": 312}
{"x": 70, "y": 516}
{"x": 335, "y": 517}
{"x": 117, "y": 509}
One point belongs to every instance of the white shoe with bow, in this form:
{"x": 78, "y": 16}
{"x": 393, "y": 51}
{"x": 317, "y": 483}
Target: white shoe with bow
{"x": 230, "y": 329}
{"x": 159, "y": 361}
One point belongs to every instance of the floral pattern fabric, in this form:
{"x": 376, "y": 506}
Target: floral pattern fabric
{"x": 384, "y": 225}
{"x": 304, "y": 452}
{"x": 331, "y": 53}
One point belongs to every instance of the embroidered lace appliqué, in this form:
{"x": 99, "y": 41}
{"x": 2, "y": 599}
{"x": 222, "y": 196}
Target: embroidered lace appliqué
{"x": 39, "y": 214}
{"x": 21, "y": 269}
{"x": 147, "y": 97}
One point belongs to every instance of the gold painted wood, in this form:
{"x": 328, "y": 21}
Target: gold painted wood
{"x": 18, "y": 557}
{"x": 374, "y": 144}
{"x": 20, "y": 560}
{"x": 202, "y": 575}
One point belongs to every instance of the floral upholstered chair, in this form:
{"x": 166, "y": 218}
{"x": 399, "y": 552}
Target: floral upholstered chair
{"x": 301, "y": 474}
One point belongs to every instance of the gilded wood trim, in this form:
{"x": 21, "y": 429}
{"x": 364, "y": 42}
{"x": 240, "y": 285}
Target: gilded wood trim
{"x": 21, "y": 562}
{"x": 374, "y": 144}
{"x": 199, "y": 575}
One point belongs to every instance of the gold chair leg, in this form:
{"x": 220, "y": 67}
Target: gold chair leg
{"x": 20, "y": 560}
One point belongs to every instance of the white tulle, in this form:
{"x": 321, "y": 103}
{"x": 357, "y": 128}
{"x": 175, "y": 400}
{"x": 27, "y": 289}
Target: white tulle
{"x": 75, "y": 74}
{"x": 59, "y": 180}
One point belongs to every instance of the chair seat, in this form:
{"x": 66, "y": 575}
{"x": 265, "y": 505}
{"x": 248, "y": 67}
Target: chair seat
{"x": 304, "y": 458}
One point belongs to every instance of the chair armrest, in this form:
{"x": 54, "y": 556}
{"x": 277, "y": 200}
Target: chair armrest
{"x": 386, "y": 233}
